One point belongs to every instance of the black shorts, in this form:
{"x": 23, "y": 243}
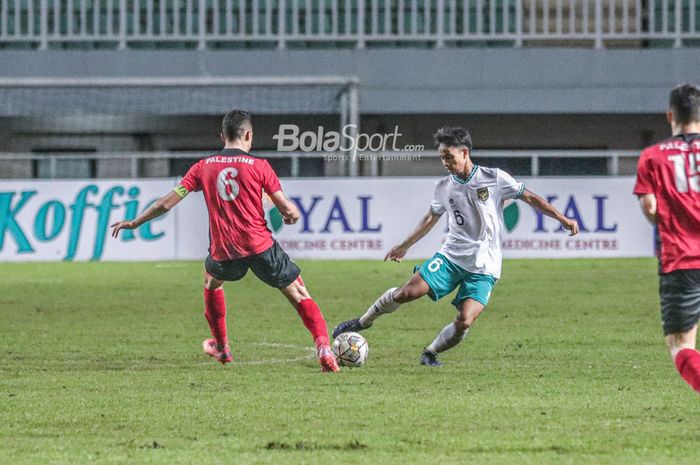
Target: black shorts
{"x": 680, "y": 300}
{"x": 273, "y": 267}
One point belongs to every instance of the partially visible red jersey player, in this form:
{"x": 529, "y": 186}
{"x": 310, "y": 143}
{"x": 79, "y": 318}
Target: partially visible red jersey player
{"x": 668, "y": 186}
{"x": 233, "y": 182}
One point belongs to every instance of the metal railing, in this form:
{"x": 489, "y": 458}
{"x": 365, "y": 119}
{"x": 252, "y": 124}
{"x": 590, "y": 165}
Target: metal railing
{"x": 131, "y": 164}
{"x": 281, "y": 23}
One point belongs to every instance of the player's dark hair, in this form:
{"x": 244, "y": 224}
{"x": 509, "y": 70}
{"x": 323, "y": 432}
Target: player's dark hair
{"x": 235, "y": 123}
{"x": 685, "y": 103}
{"x": 453, "y": 137}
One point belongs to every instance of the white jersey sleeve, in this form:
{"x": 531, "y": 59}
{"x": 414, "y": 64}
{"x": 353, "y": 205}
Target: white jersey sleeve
{"x": 508, "y": 188}
{"x": 436, "y": 206}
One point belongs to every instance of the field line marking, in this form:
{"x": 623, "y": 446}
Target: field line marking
{"x": 275, "y": 361}
{"x": 282, "y": 345}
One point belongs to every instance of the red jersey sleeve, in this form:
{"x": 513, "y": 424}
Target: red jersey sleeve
{"x": 270, "y": 181}
{"x": 193, "y": 179}
{"x": 645, "y": 175}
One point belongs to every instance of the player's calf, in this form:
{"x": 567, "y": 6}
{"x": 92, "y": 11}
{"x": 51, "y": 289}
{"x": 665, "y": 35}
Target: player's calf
{"x": 215, "y": 313}
{"x": 313, "y": 319}
{"x": 455, "y": 332}
{"x": 688, "y": 365}
{"x": 447, "y": 338}
{"x": 681, "y": 345}
{"x": 308, "y": 311}
{"x": 383, "y": 305}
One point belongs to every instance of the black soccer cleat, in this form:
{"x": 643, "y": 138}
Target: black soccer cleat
{"x": 429, "y": 358}
{"x": 350, "y": 326}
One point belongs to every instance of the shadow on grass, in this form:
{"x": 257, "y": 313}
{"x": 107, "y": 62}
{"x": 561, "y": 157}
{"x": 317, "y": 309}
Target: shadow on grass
{"x": 303, "y": 445}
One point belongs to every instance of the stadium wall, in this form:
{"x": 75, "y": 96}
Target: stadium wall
{"x": 341, "y": 219}
{"x": 412, "y": 80}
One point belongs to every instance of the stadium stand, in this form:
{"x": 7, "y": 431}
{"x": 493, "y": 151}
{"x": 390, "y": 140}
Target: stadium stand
{"x": 537, "y": 80}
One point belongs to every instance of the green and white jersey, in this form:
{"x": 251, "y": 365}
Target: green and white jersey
{"x": 475, "y": 211}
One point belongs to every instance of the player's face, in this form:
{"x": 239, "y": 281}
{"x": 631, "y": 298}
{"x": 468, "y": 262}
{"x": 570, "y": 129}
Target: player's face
{"x": 454, "y": 159}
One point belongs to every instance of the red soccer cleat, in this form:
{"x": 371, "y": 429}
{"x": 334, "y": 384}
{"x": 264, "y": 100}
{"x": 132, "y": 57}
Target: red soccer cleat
{"x": 222, "y": 353}
{"x": 327, "y": 359}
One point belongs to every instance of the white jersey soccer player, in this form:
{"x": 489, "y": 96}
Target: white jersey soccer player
{"x": 475, "y": 212}
{"x": 470, "y": 259}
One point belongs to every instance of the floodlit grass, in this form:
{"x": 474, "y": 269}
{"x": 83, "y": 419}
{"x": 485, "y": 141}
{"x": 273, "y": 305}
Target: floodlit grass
{"x": 102, "y": 364}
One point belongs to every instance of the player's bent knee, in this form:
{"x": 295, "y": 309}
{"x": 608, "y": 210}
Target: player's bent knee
{"x": 301, "y": 294}
{"x": 213, "y": 285}
{"x": 296, "y": 292}
{"x": 211, "y": 282}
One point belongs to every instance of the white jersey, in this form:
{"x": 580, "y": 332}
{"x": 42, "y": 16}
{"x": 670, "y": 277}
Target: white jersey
{"x": 475, "y": 211}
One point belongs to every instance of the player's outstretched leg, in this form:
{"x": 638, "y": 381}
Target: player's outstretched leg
{"x": 215, "y": 313}
{"x": 384, "y": 304}
{"x": 452, "y": 334}
{"x": 685, "y": 357}
{"x": 388, "y": 302}
{"x": 313, "y": 319}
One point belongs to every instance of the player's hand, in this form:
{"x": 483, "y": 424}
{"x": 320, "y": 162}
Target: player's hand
{"x": 396, "y": 253}
{"x": 290, "y": 219}
{"x": 119, "y": 225}
{"x": 570, "y": 225}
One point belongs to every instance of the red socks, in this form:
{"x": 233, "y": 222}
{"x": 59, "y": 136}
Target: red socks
{"x": 215, "y": 312}
{"x": 313, "y": 320}
{"x": 688, "y": 365}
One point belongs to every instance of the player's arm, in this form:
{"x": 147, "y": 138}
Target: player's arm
{"x": 157, "y": 208}
{"x": 288, "y": 209}
{"x": 648, "y": 204}
{"x": 426, "y": 223}
{"x": 541, "y": 205}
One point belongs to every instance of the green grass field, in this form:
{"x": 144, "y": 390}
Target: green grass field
{"x": 101, "y": 363}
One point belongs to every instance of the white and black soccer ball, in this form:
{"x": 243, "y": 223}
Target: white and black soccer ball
{"x": 350, "y": 349}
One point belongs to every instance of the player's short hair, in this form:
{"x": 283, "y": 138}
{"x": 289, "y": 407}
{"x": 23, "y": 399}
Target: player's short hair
{"x": 685, "y": 103}
{"x": 235, "y": 123}
{"x": 453, "y": 137}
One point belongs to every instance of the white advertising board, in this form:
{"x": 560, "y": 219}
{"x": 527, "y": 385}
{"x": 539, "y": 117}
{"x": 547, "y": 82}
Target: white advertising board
{"x": 364, "y": 218}
{"x": 609, "y": 215}
{"x": 341, "y": 219}
{"x": 69, "y": 220}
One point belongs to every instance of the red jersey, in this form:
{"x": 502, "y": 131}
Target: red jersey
{"x": 233, "y": 182}
{"x": 670, "y": 171}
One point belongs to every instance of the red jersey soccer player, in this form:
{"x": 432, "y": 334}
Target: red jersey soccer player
{"x": 668, "y": 186}
{"x": 232, "y": 182}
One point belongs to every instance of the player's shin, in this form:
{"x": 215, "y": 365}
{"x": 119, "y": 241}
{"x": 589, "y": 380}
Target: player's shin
{"x": 688, "y": 364}
{"x": 447, "y": 338}
{"x": 313, "y": 320}
{"x": 215, "y": 312}
{"x": 384, "y": 304}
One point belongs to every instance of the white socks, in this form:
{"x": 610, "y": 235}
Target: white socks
{"x": 447, "y": 338}
{"x": 384, "y": 304}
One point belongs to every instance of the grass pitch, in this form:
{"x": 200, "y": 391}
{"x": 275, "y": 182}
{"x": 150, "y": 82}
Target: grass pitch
{"x": 102, "y": 364}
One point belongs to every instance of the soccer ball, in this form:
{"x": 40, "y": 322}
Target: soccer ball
{"x": 350, "y": 349}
